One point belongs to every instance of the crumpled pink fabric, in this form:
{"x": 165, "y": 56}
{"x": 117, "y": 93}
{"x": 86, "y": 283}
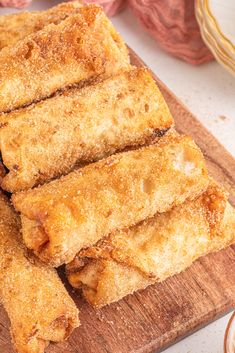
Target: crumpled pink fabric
{"x": 111, "y": 7}
{"x": 173, "y": 24}
{"x": 19, "y": 4}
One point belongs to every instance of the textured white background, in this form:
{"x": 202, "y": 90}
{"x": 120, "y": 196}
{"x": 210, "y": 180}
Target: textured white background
{"x": 209, "y": 92}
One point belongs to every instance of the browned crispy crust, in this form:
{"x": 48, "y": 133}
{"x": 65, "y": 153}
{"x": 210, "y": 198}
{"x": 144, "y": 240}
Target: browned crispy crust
{"x": 84, "y": 45}
{"x": 96, "y": 121}
{"x": 38, "y": 306}
{"x": 2, "y": 172}
{"x": 77, "y": 210}
{"x": 17, "y": 26}
{"x": 155, "y": 249}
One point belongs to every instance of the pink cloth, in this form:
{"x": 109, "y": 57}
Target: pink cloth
{"x": 173, "y": 24}
{"x": 111, "y": 7}
{"x": 15, "y": 3}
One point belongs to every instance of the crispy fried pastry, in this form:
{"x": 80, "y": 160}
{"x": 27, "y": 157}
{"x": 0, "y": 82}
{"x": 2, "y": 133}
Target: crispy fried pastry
{"x": 155, "y": 249}
{"x": 17, "y": 26}
{"x": 2, "y": 172}
{"x": 48, "y": 139}
{"x": 75, "y": 211}
{"x": 39, "y": 308}
{"x": 83, "y": 46}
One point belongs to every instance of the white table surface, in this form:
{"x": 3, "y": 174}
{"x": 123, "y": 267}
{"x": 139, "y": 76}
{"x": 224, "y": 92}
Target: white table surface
{"x": 209, "y": 92}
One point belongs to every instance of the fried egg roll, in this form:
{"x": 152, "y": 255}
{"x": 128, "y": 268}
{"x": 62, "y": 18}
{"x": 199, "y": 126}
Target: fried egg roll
{"x": 79, "y": 48}
{"x": 75, "y": 211}
{"x": 17, "y": 26}
{"x": 38, "y": 305}
{"x": 95, "y": 121}
{"x": 133, "y": 258}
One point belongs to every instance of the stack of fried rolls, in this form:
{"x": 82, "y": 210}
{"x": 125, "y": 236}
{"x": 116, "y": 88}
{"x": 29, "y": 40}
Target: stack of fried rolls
{"x": 101, "y": 181}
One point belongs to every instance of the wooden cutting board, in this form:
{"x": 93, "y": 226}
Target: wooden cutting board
{"x": 156, "y": 317}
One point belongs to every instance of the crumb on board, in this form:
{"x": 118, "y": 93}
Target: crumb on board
{"x": 222, "y": 117}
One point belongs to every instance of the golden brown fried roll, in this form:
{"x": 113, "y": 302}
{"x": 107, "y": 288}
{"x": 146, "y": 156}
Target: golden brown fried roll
{"x": 62, "y": 217}
{"x": 17, "y": 26}
{"x": 82, "y": 46}
{"x": 39, "y": 308}
{"x": 153, "y": 250}
{"x": 48, "y": 139}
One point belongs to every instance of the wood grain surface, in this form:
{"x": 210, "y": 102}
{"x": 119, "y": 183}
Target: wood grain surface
{"x": 156, "y": 317}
